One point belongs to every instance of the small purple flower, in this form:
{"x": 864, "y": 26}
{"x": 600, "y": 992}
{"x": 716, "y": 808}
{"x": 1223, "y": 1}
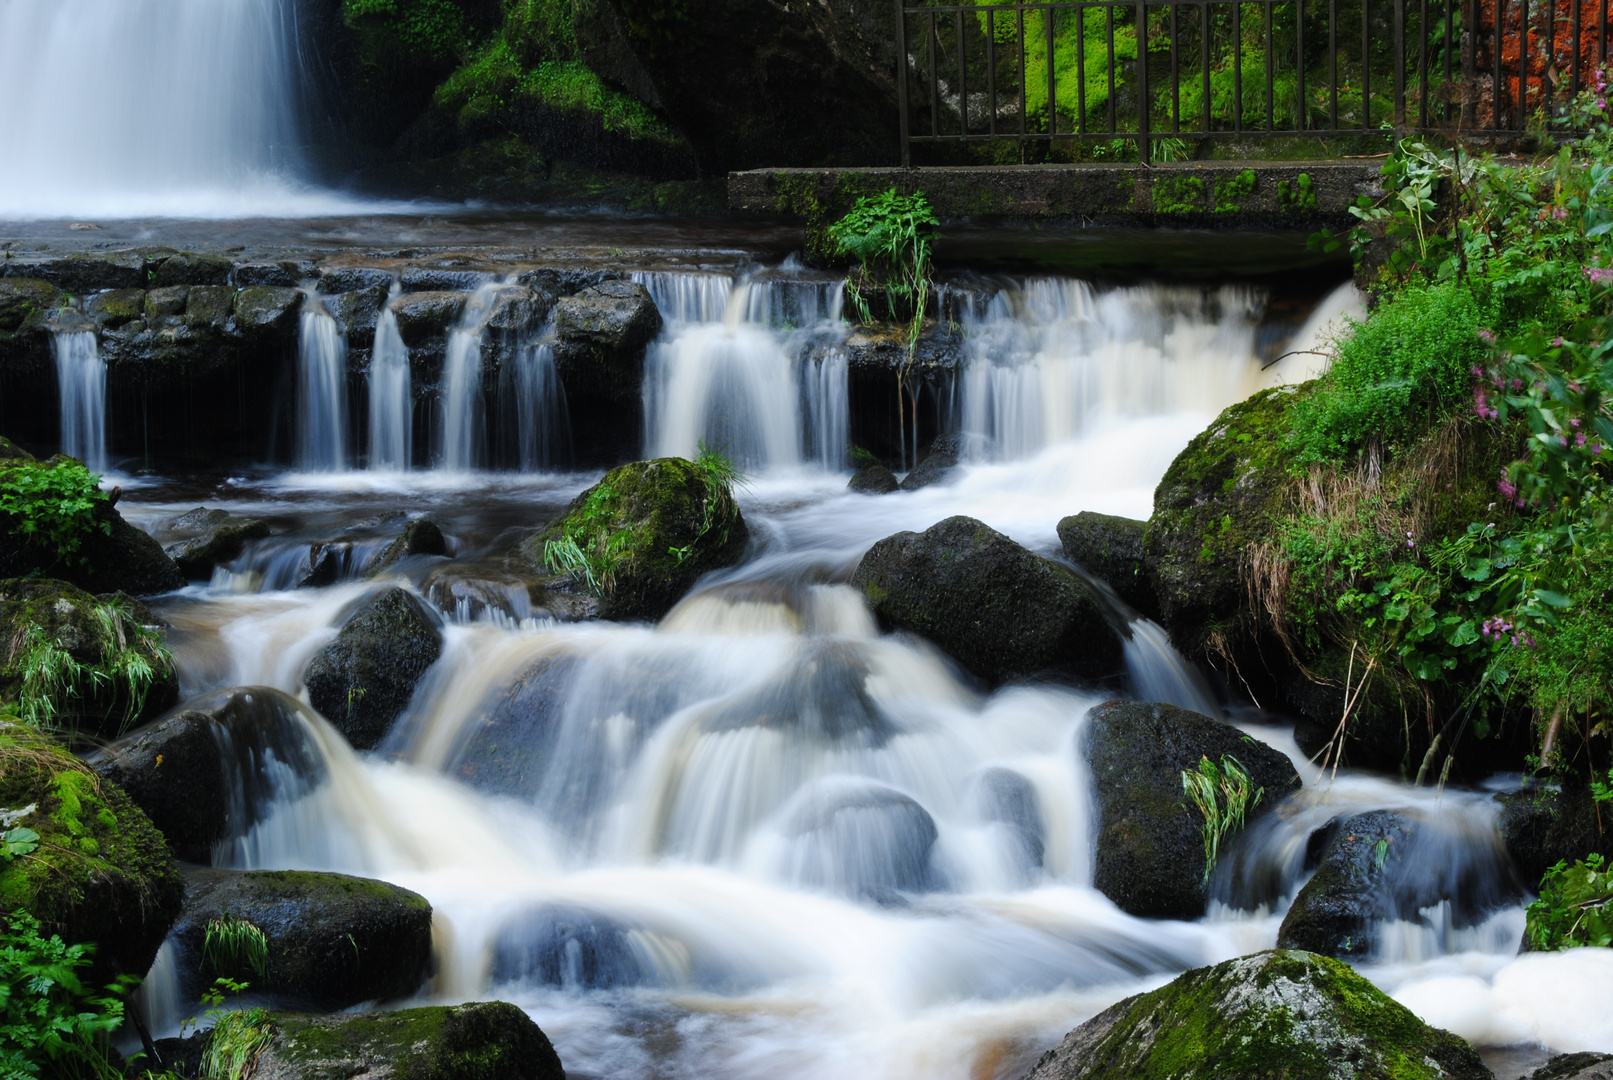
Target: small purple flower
{"x": 1596, "y": 448}
{"x": 1599, "y": 275}
{"x": 1489, "y": 335}
{"x": 1573, "y": 422}
{"x": 1579, "y": 440}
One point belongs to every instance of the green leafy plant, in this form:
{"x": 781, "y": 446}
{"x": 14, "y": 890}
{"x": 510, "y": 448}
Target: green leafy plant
{"x": 890, "y": 235}
{"x": 53, "y": 504}
{"x": 233, "y": 944}
{"x": 50, "y": 1023}
{"x": 133, "y": 658}
{"x": 1224, "y": 794}
{"x": 1575, "y": 907}
{"x": 16, "y": 841}
{"x": 236, "y": 1036}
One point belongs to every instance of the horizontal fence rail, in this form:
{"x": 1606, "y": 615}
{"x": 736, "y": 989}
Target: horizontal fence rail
{"x": 1060, "y": 70}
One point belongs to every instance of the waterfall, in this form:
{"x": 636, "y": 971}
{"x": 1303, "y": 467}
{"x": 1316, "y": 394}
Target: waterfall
{"x": 321, "y": 393}
{"x": 464, "y": 410}
{"x": 391, "y": 402}
{"x": 542, "y": 425}
{"x": 160, "y": 107}
{"x": 81, "y": 375}
{"x": 728, "y": 370}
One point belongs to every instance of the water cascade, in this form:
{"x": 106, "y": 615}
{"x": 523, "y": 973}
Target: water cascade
{"x": 464, "y": 411}
{"x": 129, "y": 107}
{"x": 321, "y": 392}
{"x": 543, "y": 427}
{"x": 391, "y": 402}
{"x": 81, "y": 376}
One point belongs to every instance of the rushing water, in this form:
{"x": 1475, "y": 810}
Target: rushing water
{"x": 464, "y": 409}
{"x": 81, "y": 377}
{"x": 321, "y": 392}
{"x": 391, "y": 397}
{"x": 763, "y": 838}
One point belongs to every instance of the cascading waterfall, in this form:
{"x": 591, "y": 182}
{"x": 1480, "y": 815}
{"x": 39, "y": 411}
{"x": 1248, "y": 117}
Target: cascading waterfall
{"x": 81, "y": 376}
{"x": 543, "y": 427}
{"x": 135, "y": 107}
{"x": 391, "y": 399}
{"x": 464, "y": 408}
{"x": 321, "y": 392}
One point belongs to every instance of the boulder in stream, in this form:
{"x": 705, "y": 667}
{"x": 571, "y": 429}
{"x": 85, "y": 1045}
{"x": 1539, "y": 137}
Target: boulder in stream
{"x": 334, "y": 941}
{"x": 101, "y": 871}
{"x": 362, "y": 681}
{"x": 420, "y": 536}
{"x": 267, "y": 311}
{"x": 1276, "y": 1015}
{"x": 1150, "y": 851}
{"x": 1111, "y": 548}
{"x": 427, "y": 316}
{"x": 600, "y": 337}
{"x": 938, "y": 464}
{"x": 874, "y": 480}
{"x": 1001, "y": 611}
{"x": 1581, "y": 1066}
{"x": 214, "y": 536}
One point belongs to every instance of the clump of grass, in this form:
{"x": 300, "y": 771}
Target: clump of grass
{"x": 133, "y": 657}
{"x": 1224, "y": 793}
{"x": 234, "y": 945}
{"x": 890, "y": 236}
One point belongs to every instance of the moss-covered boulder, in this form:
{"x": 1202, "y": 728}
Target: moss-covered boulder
{"x": 1275, "y": 1015}
{"x": 115, "y": 307}
{"x": 483, "y": 1040}
{"x": 113, "y": 556}
{"x": 101, "y": 873}
{"x": 419, "y": 537}
{"x": 644, "y": 535}
{"x": 267, "y": 311}
{"x": 210, "y": 537}
{"x": 1111, "y": 548}
{"x": 362, "y": 681}
{"x": 1581, "y": 1066}
{"x": 1001, "y": 611}
{"x": 90, "y": 667}
{"x": 1150, "y": 852}
{"x": 334, "y": 941}
{"x": 188, "y": 268}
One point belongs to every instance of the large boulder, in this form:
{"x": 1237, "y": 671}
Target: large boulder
{"x": 199, "y": 774}
{"x": 601, "y": 333}
{"x": 101, "y": 872}
{"x": 186, "y": 268}
{"x": 210, "y": 537}
{"x": 1275, "y": 1015}
{"x": 1546, "y": 826}
{"x": 334, "y": 941}
{"x": 1150, "y": 852}
{"x": 1110, "y": 548}
{"x": 1391, "y": 865}
{"x": 874, "y": 480}
{"x": 1580, "y": 1066}
{"x": 115, "y": 307}
{"x": 362, "y": 681}
{"x": 90, "y": 667}
{"x": 1001, "y": 611}
{"x": 80, "y": 274}
{"x": 650, "y": 529}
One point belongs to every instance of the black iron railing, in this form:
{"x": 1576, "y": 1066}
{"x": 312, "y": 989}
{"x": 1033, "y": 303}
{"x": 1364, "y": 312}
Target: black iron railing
{"x": 1048, "y": 71}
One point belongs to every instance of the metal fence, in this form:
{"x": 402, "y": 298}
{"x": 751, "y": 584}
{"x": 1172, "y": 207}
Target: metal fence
{"x": 1048, "y": 71}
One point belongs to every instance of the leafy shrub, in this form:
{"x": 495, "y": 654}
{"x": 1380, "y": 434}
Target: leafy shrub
{"x": 890, "y": 235}
{"x": 50, "y": 1024}
{"x": 52, "y": 503}
{"x": 1575, "y": 906}
{"x": 1413, "y": 358}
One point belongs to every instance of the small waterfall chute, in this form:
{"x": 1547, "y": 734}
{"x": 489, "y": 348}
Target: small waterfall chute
{"x": 463, "y": 424}
{"x": 543, "y": 427}
{"x": 321, "y": 392}
{"x": 81, "y": 377}
{"x": 391, "y": 397}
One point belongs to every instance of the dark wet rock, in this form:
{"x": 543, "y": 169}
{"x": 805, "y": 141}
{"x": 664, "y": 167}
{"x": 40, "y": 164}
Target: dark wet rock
{"x": 215, "y": 536}
{"x": 209, "y": 306}
{"x": 190, "y": 269}
{"x": 874, "y": 480}
{"x": 517, "y": 309}
{"x": 116, "y": 307}
{"x": 354, "y": 279}
{"x": 1581, "y": 1066}
{"x": 860, "y": 838}
{"x": 80, "y": 274}
{"x": 1001, "y": 611}
{"x": 1390, "y": 864}
{"x": 1110, "y": 548}
{"x": 335, "y": 941}
{"x": 601, "y": 333}
{"x": 1277, "y": 1015}
{"x": 430, "y": 279}
{"x": 24, "y": 301}
{"x": 101, "y": 873}
{"x": 937, "y": 465}
{"x": 10, "y": 451}
{"x": 423, "y": 316}
{"x": 100, "y": 635}
{"x": 884, "y": 350}
{"x": 26, "y": 307}
{"x": 419, "y": 537}
{"x": 267, "y": 311}
{"x": 197, "y": 773}
{"x": 275, "y": 275}
{"x": 484, "y": 1040}
{"x": 322, "y": 565}
{"x": 568, "y": 948}
{"x": 166, "y": 305}
{"x": 362, "y": 681}
{"x": 1150, "y": 851}
{"x": 562, "y": 281}
{"x": 358, "y": 310}
{"x": 1544, "y": 827}
{"x": 673, "y": 529}
{"x": 511, "y": 750}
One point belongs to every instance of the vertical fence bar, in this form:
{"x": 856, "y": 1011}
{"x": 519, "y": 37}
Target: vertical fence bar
{"x": 1237, "y": 66}
{"x": 901, "y": 82}
{"x": 1333, "y": 64}
{"x": 1301, "y": 112}
{"x": 1422, "y": 62}
{"x": 1113, "y": 123}
{"x": 1601, "y": 31}
{"x": 1176, "y": 79}
{"x": 1052, "y": 88}
{"x": 1204, "y": 55}
{"x": 1019, "y": 40}
{"x": 1573, "y": 64}
{"x": 934, "y": 49}
{"x": 1271, "y": 64}
{"x": 991, "y": 70}
{"x": 1496, "y": 74}
{"x": 1143, "y": 149}
{"x": 963, "y": 79}
{"x": 1445, "y": 88}
{"x": 1366, "y": 65}
{"x": 1400, "y": 62}
{"x": 1081, "y": 70}
{"x": 1523, "y": 64}
{"x": 1470, "y": 65}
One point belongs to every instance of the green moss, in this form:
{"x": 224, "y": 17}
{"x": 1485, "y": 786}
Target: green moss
{"x": 1178, "y": 194}
{"x": 1230, "y": 194}
{"x": 432, "y": 31}
{"x": 479, "y": 1041}
{"x": 1298, "y": 197}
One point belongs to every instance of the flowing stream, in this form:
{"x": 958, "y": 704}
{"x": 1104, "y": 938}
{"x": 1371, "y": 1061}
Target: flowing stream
{"x": 763, "y": 838}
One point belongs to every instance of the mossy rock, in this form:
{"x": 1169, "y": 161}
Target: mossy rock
{"x": 80, "y": 664}
{"x": 102, "y": 872}
{"x": 1544, "y": 827}
{"x": 667, "y": 524}
{"x": 267, "y": 311}
{"x": 1110, "y": 548}
{"x": 334, "y": 941}
{"x": 1277, "y": 1015}
{"x": 362, "y": 681}
{"x": 114, "y": 556}
{"x": 116, "y": 307}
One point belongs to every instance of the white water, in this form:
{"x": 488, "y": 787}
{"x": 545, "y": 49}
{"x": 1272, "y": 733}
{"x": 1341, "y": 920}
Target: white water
{"x": 81, "y": 380}
{"x": 391, "y": 400}
{"x": 464, "y": 410}
{"x": 321, "y": 393}
{"x": 543, "y": 427}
